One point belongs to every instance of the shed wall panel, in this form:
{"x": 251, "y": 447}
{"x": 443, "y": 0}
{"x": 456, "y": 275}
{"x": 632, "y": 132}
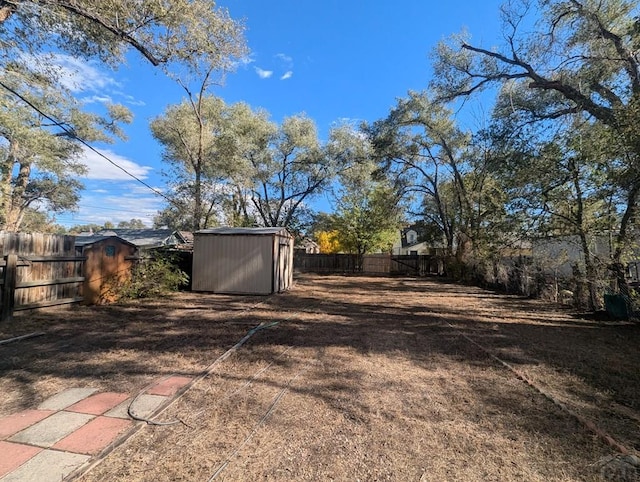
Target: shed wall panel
{"x": 233, "y": 264}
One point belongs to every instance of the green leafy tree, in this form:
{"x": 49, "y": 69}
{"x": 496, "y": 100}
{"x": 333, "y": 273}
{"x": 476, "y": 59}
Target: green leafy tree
{"x": 90, "y": 228}
{"x": 200, "y": 143}
{"x": 367, "y": 220}
{"x": 179, "y": 214}
{"x": 84, "y": 228}
{"x": 368, "y": 212}
{"x": 35, "y": 221}
{"x": 40, "y": 160}
{"x": 232, "y": 164}
{"x": 557, "y": 186}
{"x": 132, "y": 224}
{"x": 572, "y": 57}
{"x": 190, "y": 34}
{"x": 288, "y": 171}
{"x": 293, "y": 167}
{"x": 432, "y": 159}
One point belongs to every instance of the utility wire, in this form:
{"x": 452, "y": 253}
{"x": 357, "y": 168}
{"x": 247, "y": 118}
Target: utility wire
{"x": 73, "y": 135}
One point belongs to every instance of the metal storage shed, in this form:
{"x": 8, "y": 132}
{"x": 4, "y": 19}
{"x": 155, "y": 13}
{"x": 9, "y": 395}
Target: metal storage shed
{"x": 242, "y": 260}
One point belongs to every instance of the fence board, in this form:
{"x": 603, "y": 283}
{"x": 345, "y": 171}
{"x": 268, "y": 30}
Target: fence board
{"x": 8, "y": 287}
{"x": 325, "y": 263}
{"x": 58, "y": 281}
{"x": 376, "y": 263}
{"x": 412, "y": 265}
{"x": 47, "y": 271}
{"x": 44, "y": 304}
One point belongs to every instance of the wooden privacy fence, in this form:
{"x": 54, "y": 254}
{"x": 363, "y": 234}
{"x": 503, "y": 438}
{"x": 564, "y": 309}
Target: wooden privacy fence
{"x": 325, "y": 263}
{"x": 415, "y": 265}
{"x": 38, "y": 270}
{"x": 418, "y": 265}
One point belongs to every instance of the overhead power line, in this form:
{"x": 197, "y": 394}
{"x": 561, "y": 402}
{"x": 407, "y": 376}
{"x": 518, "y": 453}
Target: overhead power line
{"x": 73, "y": 135}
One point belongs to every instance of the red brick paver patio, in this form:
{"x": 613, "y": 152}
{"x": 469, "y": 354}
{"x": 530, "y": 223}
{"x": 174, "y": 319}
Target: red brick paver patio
{"x": 76, "y": 428}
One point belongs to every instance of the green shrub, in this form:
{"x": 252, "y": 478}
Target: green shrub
{"x": 152, "y": 278}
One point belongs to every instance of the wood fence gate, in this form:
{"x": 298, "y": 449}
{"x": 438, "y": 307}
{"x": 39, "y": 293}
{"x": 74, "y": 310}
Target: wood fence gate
{"x": 38, "y": 270}
{"x": 417, "y": 265}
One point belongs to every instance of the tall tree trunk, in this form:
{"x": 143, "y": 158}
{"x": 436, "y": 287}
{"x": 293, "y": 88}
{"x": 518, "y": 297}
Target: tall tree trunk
{"x": 464, "y": 247}
{"x": 197, "y": 195}
{"x": 6, "y": 10}
{"x": 6, "y": 178}
{"x": 590, "y": 269}
{"x": 18, "y": 204}
{"x": 590, "y": 272}
{"x": 617, "y": 267}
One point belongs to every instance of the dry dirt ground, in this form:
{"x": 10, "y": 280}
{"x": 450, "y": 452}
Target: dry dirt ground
{"x": 359, "y": 378}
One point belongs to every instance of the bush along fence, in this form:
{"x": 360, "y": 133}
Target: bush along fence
{"x": 524, "y": 276}
{"x": 38, "y": 270}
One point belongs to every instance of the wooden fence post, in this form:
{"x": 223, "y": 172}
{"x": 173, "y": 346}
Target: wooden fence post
{"x": 9, "y": 287}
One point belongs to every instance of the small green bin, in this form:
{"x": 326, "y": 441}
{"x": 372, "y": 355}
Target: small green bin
{"x": 616, "y": 306}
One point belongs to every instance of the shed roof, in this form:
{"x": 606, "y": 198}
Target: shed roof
{"x": 245, "y": 231}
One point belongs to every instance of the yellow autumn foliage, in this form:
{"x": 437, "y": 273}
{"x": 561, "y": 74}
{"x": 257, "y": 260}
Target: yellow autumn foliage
{"x": 328, "y": 242}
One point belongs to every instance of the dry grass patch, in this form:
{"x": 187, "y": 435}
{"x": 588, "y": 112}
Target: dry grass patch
{"x": 360, "y": 379}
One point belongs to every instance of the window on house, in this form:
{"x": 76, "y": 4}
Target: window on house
{"x": 110, "y": 251}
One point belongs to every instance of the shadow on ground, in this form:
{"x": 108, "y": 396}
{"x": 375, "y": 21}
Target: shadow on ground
{"x": 425, "y": 322}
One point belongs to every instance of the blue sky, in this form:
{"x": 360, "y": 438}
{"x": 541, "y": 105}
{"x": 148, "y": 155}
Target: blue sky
{"x": 330, "y": 59}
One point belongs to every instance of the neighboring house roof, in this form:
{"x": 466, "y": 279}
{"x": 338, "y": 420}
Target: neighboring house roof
{"x": 147, "y": 238}
{"x": 244, "y": 231}
{"x": 406, "y": 238}
{"x": 308, "y": 243}
{"x": 86, "y": 240}
{"x": 309, "y": 246}
{"x": 187, "y": 236}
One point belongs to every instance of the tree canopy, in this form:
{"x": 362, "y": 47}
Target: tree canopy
{"x": 41, "y": 122}
{"x": 566, "y": 59}
{"x": 191, "y": 34}
{"x": 232, "y": 164}
{"x": 40, "y": 160}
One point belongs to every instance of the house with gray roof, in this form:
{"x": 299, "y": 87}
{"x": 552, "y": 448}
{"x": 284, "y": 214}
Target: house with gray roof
{"x": 147, "y": 238}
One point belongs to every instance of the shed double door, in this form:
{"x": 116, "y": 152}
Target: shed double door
{"x": 283, "y": 268}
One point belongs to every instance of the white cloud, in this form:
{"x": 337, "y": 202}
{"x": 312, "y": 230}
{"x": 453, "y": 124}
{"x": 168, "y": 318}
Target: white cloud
{"x": 263, "y": 74}
{"x": 246, "y": 60}
{"x": 105, "y": 99}
{"x": 115, "y": 207}
{"x": 285, "y": 58}
{"x": 100, "y": 168}
{"x": 129, "y": 99}
{"x": 286, "y": 64}
{"x": 139, "y": 190}
{"x": 81, "y": 76}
